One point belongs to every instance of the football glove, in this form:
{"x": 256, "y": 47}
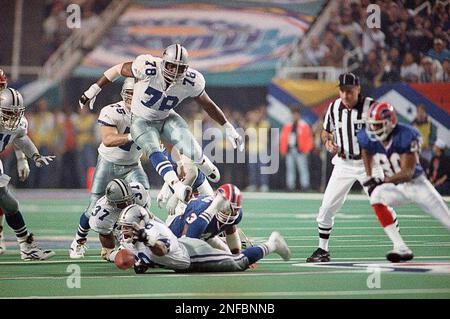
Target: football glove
{"x": 233, "y": 136}
{"x": 89, "y": 96}
{"x": 41, "y": 160}
{"x": 372, "y": 183}
{"x": 23, "y": 169}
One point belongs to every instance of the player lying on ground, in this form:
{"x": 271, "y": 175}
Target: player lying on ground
{"x": 161, "y": 85}
{"x": 205, "y": 217}
{"x": 104, "y": 215}
{"x": 188, "y": 174}
{"x": 118, "y": 157}
{"x": 23, "y": 169}
{"x": 13, "y": 129}
{"x": 396, "y": 147}
{"x": 148, "y": 243}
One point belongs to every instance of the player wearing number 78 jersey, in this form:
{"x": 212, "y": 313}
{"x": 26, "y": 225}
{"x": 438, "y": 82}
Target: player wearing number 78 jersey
{"x": 162, "y": 84}
{"x": 396, "y": 148}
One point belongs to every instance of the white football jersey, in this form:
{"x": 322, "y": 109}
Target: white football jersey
{"x": 149, "y": 99}
{"x": 177, "y": 258}
{"x": 104, "y": 216}
{"x": 117, "y": 115}
{"x": 7, "y": 136}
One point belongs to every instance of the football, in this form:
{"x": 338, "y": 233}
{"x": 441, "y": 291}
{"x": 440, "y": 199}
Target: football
{"x": 124, "y": 259}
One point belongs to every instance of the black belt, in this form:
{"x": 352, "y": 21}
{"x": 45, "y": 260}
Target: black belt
{"x": 350, "y": 157}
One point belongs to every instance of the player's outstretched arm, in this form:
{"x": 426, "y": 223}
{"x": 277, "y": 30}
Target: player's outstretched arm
{"x": 217, "y": 115}
{"x": 27, "y": 146}
{"x": 110, "y": 75}
{"x": 233, "y": 240}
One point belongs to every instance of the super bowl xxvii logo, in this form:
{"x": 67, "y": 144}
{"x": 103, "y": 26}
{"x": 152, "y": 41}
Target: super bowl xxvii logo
{"x": 218, "y": 39}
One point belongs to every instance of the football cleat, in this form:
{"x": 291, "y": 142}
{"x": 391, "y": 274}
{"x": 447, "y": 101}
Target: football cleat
{"x": 78, "y": 249}
{"x": 399, "y": 255}
{"x": 29, "y": 250}
{"x": 2, "y": 241}
{"x": 319, "y": 255}
{"x": 281, "y": 247}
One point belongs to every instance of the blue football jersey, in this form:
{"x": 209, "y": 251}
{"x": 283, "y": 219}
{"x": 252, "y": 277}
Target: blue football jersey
{"x": 405, "y": 139}
{"x": 197, "y": 226}
{"x": 200, "y": 176}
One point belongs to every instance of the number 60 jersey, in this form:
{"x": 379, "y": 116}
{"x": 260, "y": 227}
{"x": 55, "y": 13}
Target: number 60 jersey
{"x": 150, "y": 100}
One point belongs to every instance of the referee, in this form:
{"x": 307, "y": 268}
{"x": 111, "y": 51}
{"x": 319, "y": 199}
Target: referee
{"x": 343, "y": 120}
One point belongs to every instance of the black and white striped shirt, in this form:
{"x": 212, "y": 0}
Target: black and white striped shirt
{"x": 345, "y": 123}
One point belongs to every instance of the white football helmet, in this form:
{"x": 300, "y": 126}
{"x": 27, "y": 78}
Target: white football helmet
{"x": 12, "y": 108}
{"x": 119, "y": 193}
{"x": 127, "y": 91}
{"x": 175, "y": 61}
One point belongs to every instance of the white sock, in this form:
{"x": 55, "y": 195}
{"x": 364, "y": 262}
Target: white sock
{"x": 395, "y": 236}
{"x": 323, "y": 244}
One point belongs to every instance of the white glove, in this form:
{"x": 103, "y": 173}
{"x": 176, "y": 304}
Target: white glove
{"x": 172, "y": 204}
{"x": 163, "y": 195}
{"x": 41, "y": 160}
{"x": 23, "y": 169}
{"x": 89, "y": 96}
{"x": 233, "y": 136}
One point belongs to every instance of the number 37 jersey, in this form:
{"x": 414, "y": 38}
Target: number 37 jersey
{"x": 150, "y": 101}
{"x": 117, "y": 115}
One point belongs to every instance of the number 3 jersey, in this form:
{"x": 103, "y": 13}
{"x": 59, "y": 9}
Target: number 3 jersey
{"x": 117, "y": 115}
{"x": 192, "y": 217}
{"x": 150, "y": 100}
{"x": 405, "y": 139}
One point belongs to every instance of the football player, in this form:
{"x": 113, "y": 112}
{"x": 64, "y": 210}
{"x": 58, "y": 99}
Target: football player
{"x": 104, "y": 215}
{"x": 152, "y": 244}
{"x": 23, "y": 169}
{"x": 118, "y": 157}
{"x": 205, "y": 217}
{"x": 14, "y": 129}
{"x": 188, "y": 173}
{"x": 162, "y": 84}
{"x": 396, "y": 147}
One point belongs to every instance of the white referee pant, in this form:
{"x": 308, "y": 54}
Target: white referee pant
{"x": 345, "y": 173}
{"x": 418, "y": 191}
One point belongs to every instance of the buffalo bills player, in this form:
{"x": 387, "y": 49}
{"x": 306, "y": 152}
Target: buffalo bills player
{"x": 396, "y": 147}
{"x": 205, "y": 217}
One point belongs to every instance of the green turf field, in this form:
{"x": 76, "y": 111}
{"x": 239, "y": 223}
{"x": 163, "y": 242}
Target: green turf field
{"x": 358, "y": 245}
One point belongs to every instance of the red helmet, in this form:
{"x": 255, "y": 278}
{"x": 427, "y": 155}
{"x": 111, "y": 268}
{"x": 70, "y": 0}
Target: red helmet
{"x": 3, "y": 80}
{"x": 381, "y": 121}
{"x": 233, "y": 197}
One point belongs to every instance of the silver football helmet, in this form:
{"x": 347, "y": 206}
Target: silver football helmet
{"x": 119, "y": 193}
{"x": 11, "y": 108}
{"x": 127, "y": 91}
{"x": 175, "y": 61}
{"x": 130, "y": 217}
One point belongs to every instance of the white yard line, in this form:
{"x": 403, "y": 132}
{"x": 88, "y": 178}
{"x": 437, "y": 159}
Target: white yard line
{"x": 264, "y": 294}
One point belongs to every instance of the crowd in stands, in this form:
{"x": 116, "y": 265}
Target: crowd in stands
{"x": 55, "y": 26}
{"x": 73, "y": 136}
{"x": 409, "y": 46}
